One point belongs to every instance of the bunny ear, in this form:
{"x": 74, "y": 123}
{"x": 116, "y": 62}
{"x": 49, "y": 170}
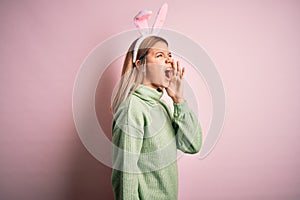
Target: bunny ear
{"x": 141, "y": 21}
{"x": 160, "y": 18}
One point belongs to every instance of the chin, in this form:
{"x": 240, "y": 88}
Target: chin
{"x": 165, "y": 85}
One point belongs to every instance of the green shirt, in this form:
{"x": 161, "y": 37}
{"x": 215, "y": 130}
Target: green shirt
{"x": 146, "y": 136}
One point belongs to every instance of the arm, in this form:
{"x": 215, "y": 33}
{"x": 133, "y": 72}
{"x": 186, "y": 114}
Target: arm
{"x": 187, "y": 129}
{"x": 128, "y": 140}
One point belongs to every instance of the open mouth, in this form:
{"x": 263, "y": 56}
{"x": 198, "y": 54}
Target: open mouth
{"x": 169, "y": 73}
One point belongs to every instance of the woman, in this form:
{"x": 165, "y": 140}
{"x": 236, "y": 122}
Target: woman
{"x": 146, "y": 134}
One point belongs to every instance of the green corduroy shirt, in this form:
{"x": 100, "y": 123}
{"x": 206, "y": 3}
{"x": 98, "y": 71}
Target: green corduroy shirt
{"x": 146, "y": 136}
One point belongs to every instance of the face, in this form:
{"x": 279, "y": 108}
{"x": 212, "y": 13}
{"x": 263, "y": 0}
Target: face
{"x": 159, "y": 68}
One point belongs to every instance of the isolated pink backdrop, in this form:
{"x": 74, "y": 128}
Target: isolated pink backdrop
{"x": 254, "y": 44}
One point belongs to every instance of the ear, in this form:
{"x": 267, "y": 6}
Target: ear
{"x": 160, "y": 18}
{"x": 137, "y": 64}
{"x": 141, "y": 21}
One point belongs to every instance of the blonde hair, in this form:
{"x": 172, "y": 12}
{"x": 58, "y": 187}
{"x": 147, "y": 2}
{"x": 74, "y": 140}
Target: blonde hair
{"x": 131, "y": 75}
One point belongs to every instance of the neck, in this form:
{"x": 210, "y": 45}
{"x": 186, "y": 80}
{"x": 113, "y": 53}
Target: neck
{"x": 156, "y": 87}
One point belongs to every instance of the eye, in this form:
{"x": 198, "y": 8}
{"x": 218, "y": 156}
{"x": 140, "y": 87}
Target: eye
{"x": 170, "y": 55}
{"x": 159, "y": 55}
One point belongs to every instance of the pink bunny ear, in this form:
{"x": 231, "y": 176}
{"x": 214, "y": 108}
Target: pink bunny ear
{"x": 160, "y": 18}
{"x": 141, "y": 21}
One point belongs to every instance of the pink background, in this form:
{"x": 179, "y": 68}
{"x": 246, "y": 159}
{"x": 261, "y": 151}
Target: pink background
{"x": 254, "y": 44}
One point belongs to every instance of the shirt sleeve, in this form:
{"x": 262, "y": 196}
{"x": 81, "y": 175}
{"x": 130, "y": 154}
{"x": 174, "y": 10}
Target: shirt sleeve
{"x": 187, "y": 129}
{"x": 127, "y": 139}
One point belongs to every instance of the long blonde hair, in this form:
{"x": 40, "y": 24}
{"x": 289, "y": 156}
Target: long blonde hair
{"x": 131, "y": 75}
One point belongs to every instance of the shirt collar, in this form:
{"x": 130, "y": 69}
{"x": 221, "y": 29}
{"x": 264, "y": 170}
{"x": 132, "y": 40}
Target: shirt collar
{"x": 147, "y": 93}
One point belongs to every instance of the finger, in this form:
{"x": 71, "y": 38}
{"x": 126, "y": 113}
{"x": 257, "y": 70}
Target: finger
{"x": 178, "y": 67}
{"x": 174, "y": 66}
{"x": 183, "y": 70}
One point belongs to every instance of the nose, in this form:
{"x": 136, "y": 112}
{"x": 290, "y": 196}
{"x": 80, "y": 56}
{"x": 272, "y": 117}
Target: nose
{"x": 168, "y": 60}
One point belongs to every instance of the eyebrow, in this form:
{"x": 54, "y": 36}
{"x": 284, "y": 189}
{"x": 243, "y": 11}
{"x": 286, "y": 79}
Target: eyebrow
{"x": 169, "y": 53}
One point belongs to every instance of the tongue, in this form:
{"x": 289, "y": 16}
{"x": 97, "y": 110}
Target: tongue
{"x": 169, "y": 73}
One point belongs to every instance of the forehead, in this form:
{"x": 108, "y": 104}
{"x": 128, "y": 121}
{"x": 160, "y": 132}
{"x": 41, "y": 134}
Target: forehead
{"x": 159, "y": 46}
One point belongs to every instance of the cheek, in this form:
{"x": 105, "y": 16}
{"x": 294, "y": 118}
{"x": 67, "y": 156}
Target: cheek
{"x": 155, "y": 71}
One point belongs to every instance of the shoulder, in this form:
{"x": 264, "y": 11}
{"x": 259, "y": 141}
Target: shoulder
{"x": 132, "y": 112}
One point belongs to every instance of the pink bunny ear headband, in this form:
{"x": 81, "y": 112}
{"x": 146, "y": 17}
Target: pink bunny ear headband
{"x": 141, "y": 22}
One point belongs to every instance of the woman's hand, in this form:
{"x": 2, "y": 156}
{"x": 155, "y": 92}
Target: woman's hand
{"x": 175, "y": 88}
